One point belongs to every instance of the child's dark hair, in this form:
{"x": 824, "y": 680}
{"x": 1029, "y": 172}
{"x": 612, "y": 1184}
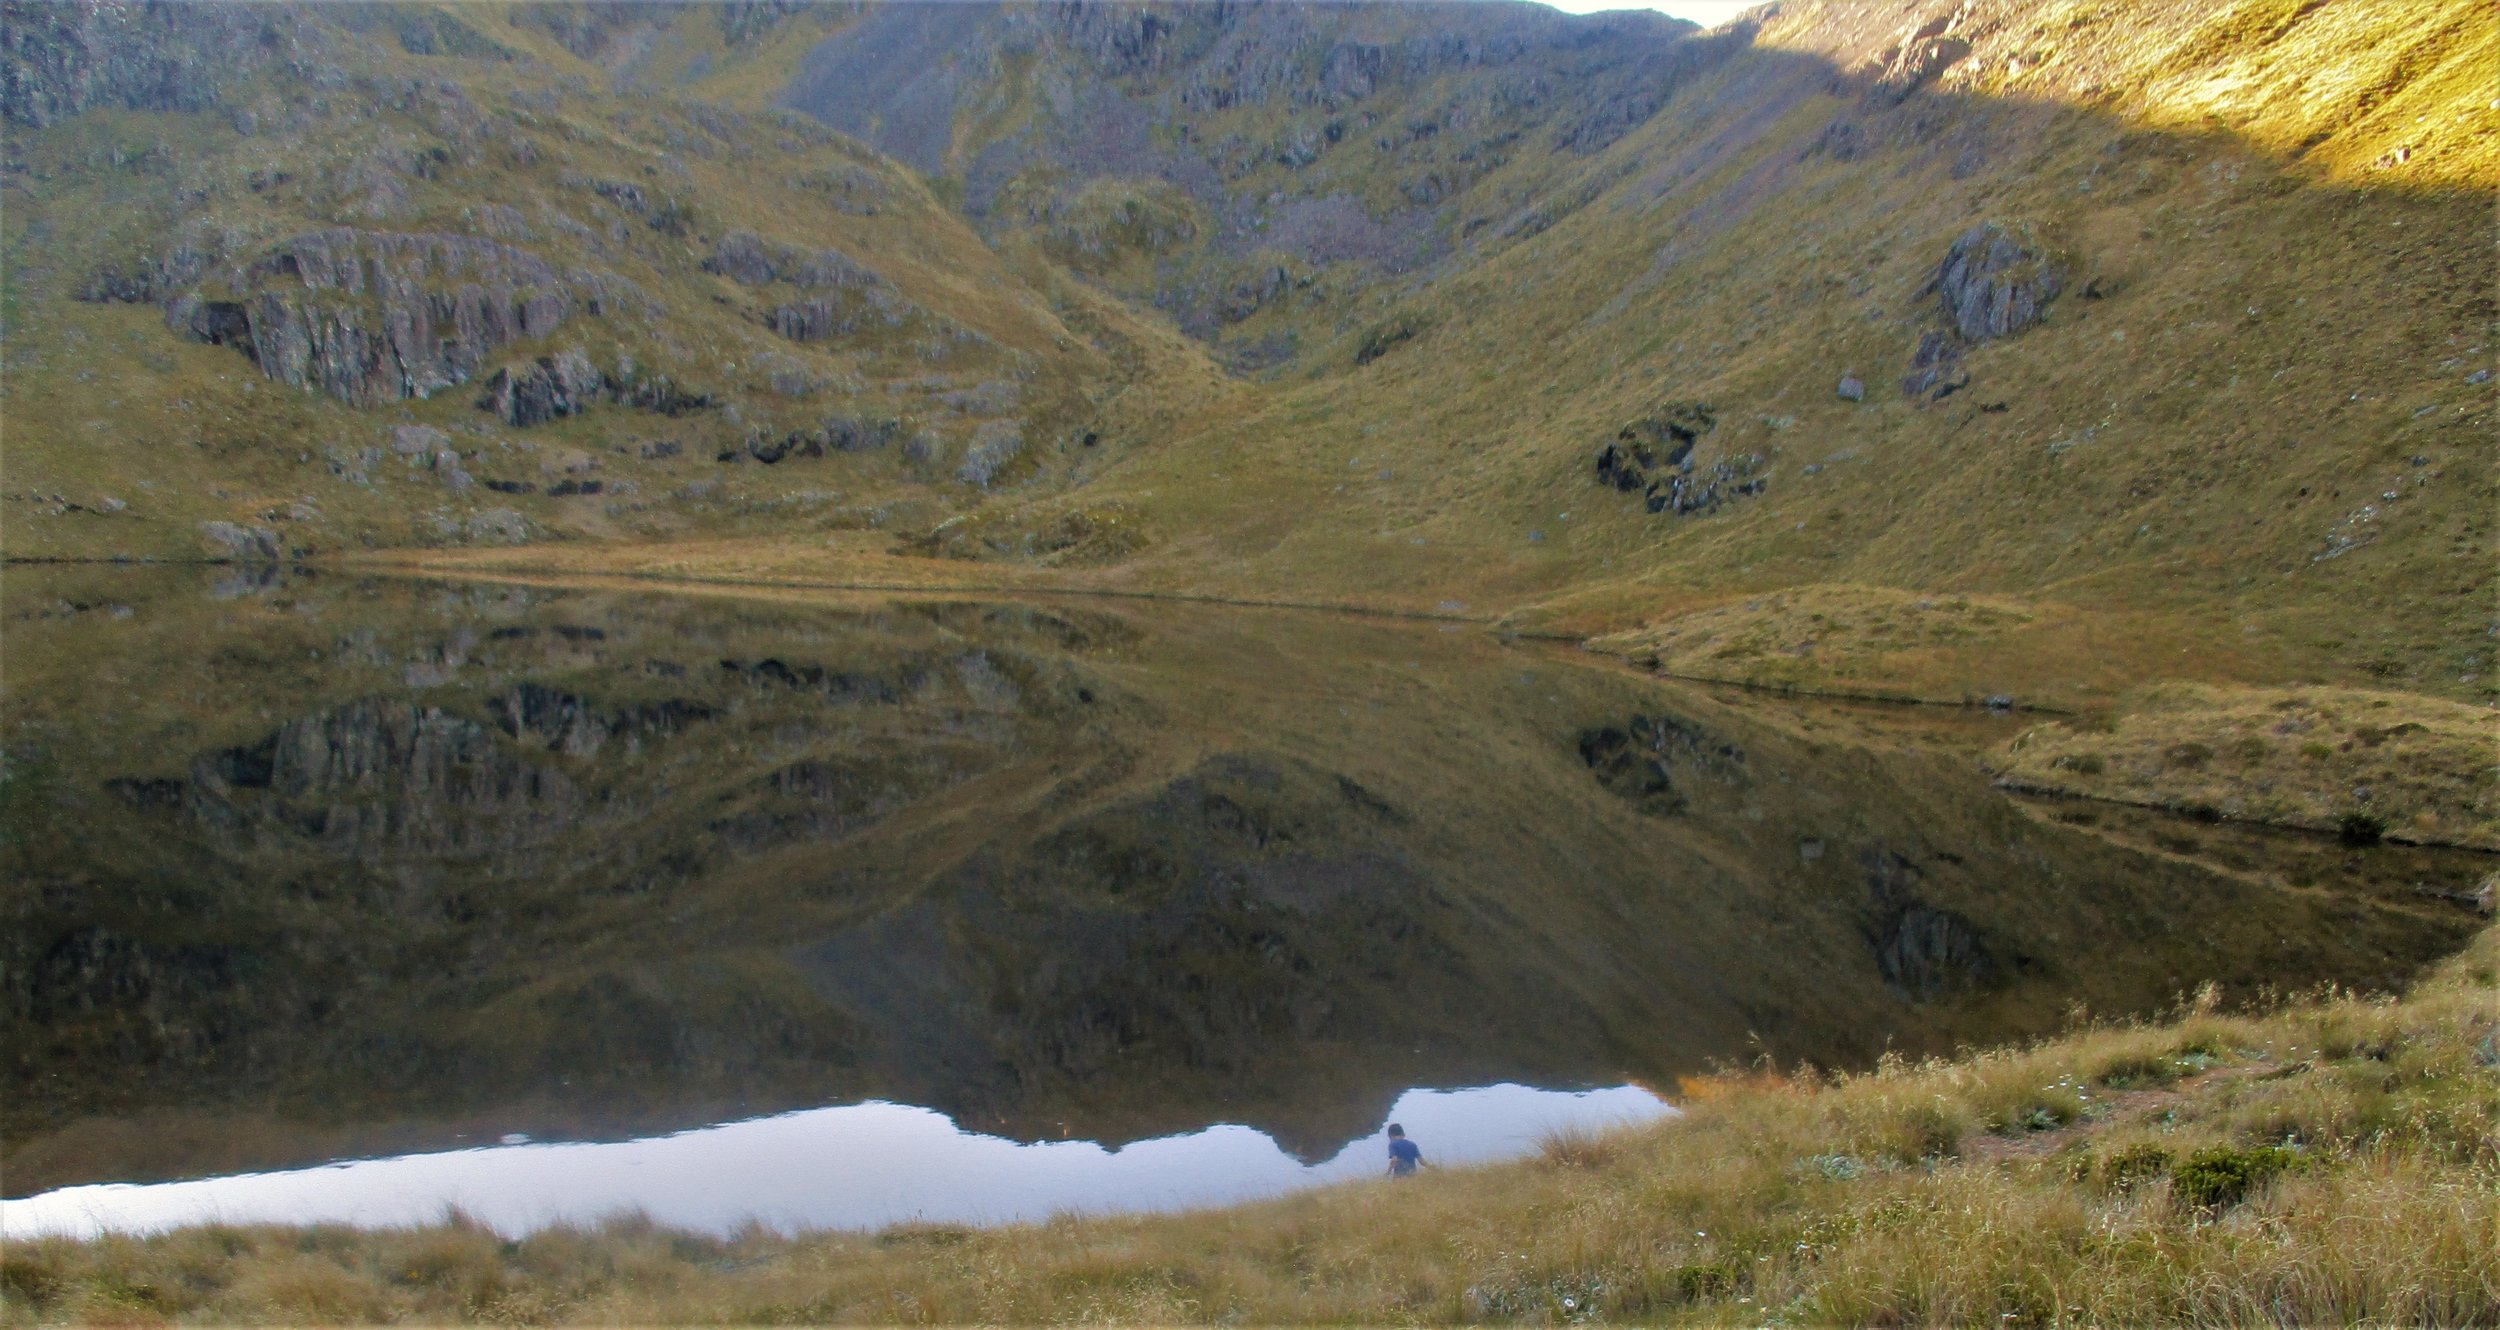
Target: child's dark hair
{"x": 1396, "y": 1130}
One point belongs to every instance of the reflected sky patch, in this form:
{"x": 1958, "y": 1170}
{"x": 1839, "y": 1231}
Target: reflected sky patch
{"x": 856, "y": 1166}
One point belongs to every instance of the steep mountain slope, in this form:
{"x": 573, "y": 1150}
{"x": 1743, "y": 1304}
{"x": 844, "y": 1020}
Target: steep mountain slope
{"x": 2123, "y": 312}
{"x": 2160, "y": 331}
{"x": 336, "y": 277}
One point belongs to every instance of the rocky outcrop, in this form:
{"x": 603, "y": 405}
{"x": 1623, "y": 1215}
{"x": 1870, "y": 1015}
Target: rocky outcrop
{"x": 844, "y": 298}
{"x": 1923, "y": 52}
{"x": 1992, "y": 283}
{"x": 376, "y": 316}
{"x": 841, "y": 434}
{"x": 1637, "y": 760}
{"x": 150, "y": 279}
{"x": 381, "y": 774}
{"x": 578, "y": 727}
{"x": 566, "y": 384}
{"x": 1923, "y": 951}
{"x": 242, "y": 544}
{"x": 1653, "y": 456}
{"x": 1935, "y": 368}
{"x": 58, "y": 59}
{"x": 824, "y": 318}
{"x": 750, "y": 260}
{"x": 549, "y": 389}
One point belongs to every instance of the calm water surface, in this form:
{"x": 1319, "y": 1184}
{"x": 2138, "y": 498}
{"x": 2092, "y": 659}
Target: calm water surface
{"x": 857, "y": 1166}
{"x": 843, "y": 911}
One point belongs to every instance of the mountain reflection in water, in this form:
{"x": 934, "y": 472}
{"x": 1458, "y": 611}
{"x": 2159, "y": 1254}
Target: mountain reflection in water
{"x": 318, "y": 868}
{"x": 859, "y": 1166}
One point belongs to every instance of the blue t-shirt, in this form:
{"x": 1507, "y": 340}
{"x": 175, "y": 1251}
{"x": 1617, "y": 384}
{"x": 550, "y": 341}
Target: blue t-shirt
{"x": 1404, "y": 1156}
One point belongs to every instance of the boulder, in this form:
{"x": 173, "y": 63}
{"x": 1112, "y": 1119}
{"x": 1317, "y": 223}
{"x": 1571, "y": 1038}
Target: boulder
{"x": 231, "y": 543}
{"x": 414, "y": 440}
{"x": 551, "y": 388}
{"x": 1935, "y": 368}
{"x": 1852, "y": 389}
{"x": 1651, "y": 444}
{"x": 1994, "y": 284}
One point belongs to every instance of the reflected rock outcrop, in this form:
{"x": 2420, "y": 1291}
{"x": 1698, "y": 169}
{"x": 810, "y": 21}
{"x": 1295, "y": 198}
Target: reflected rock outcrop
{"x": 400, "y": 865}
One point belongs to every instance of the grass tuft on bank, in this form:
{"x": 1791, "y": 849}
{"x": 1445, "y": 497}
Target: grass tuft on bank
{"x": 2334, "y": 1158}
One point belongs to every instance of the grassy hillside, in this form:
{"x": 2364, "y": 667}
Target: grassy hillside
{"x": 2330, "y": 1160}
{"x": 711, "y": 321}
{"x": 2202, "y": 397}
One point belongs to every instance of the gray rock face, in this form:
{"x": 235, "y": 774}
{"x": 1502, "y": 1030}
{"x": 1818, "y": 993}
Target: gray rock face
{"x": 149, "y": 280}
{"x": 242, "y": 544}
{"x": 1992, "y": 284}
{"x": 1913, "y": 62}
{"x": 843, "y": 297}
{"x": 750, "y": 260}
{"x": 385, "y": 776}
{"x": 58, "y": 59}
{"x": 824, "y": 318}
{"x": 551, "y": 388}
{"x": 1935, "y": 368}
{"x": 413, "y": 440}
{"x": 376, "y": 316}
{"x": 1852, "y": 388}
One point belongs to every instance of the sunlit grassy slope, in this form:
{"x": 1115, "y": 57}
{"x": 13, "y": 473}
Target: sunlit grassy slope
{"x": 2244, "y": 446}
{"x": 2331, "y": 1161}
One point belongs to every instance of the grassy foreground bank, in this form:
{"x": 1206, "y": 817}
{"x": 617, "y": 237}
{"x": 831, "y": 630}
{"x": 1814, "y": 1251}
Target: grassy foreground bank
{"x": 2334, "y": 1158}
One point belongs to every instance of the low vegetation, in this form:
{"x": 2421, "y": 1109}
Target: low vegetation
{"x": 2330, "y": 1159}
{"x": 2362, "y": 764}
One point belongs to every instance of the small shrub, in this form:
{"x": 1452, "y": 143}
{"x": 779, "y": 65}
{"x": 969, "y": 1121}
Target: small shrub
{"x": 2136, "y": 1070}
{"x": 2359, "y": 828}
{"x": 1710, "y": 1279}
{"x": 2316, "y": 752}
{"x": 2220, "y": 1176}
{"x": 2020, "y": 1109}
{"x": 2135, "y": 1166}
{"x": 1838, "y": 1168}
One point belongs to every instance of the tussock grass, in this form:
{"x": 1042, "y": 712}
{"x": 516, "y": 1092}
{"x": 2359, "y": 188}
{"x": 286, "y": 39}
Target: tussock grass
{"x": 2332, "y": 1159}
{"x": 2360, "y": 762}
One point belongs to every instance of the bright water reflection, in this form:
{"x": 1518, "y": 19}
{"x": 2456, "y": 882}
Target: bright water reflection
{"x": 858, "y": 1166}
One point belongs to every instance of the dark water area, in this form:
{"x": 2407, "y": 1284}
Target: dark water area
{"x": 1146, "y": 905}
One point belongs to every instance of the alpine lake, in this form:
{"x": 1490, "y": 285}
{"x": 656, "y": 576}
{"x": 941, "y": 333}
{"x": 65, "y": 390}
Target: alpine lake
{"x": 335, "y": 898}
